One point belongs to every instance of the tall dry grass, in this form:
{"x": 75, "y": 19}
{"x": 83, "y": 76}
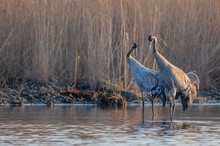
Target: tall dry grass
{"x": 88, "y": 39}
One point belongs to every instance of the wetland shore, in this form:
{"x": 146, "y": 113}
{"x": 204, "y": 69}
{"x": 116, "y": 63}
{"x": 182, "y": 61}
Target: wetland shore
{"x": 32, "y": 92}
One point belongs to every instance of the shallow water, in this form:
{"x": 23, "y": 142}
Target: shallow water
{"x": 92, "y": 125}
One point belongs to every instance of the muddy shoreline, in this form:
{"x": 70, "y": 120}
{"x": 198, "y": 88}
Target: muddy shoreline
{"x": 30, "y": 92}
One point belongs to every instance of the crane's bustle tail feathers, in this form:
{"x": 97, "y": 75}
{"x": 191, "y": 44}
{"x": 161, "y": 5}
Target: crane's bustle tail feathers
{"x": 194, "y": 79}
{"x": 163, "y": 98}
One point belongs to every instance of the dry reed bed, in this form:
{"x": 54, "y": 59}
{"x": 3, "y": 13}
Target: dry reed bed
{"x": 88, "y": 39}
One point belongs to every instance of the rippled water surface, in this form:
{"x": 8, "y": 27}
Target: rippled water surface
{"x": 92, "y": 125}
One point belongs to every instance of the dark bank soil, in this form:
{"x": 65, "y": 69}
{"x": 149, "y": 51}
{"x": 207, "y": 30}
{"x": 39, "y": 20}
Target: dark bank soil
{"x": 30, "y": 92}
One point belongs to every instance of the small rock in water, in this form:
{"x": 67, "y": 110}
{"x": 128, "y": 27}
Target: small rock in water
{"x": 113, "y": 101}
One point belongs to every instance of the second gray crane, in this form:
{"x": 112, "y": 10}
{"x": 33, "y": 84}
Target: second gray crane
{"x": 175, "y": 81}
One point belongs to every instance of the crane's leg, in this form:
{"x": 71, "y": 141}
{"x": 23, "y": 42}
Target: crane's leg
{"x": 170, "y": 105}
{"x": 142, "y": 108}
{"x": 173, "y": 108}
{"x": 152, "y": 103}
{"x": 171, "y": 117}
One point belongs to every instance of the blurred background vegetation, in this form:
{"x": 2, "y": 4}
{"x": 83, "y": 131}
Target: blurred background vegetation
{"x": 78, "y": 40}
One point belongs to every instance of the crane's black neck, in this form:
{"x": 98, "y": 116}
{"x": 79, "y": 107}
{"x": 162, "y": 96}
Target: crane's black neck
{"x": 154, "y": 46}
{"x": 129, "y": 52}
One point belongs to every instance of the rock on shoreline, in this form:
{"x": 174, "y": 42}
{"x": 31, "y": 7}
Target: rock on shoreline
{"x": 30, "y": 92}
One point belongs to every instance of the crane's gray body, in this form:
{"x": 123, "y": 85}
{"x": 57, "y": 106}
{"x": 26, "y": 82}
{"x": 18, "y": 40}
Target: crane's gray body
{"x": 174, "y": 80}
{"x": 171, "y": 77}
{"x": 146, "y": 79}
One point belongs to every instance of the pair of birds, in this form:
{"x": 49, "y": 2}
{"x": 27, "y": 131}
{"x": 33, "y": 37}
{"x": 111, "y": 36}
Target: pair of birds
{"x": 168, "y": 83}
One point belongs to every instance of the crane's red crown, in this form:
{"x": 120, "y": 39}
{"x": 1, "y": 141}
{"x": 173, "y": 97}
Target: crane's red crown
{"x": 152, "y": 37}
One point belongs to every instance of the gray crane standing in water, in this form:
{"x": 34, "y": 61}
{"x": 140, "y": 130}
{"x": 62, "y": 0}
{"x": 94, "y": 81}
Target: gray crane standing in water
{"x": 175, "y": 82}
{"x": 147, "y": 81}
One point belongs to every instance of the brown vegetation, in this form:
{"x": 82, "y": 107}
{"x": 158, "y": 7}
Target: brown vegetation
{"x": 88, "y": 39}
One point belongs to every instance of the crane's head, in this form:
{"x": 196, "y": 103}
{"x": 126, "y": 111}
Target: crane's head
{"x": 134, "y": 46}
{"x": 152, "y": 38}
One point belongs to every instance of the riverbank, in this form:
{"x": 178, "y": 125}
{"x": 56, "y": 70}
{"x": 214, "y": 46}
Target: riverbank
{"x": 30, "y": 92}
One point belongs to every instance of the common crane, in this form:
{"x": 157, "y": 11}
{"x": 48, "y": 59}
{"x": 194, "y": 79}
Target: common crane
{"x": 146, "y": 79}
{"x": 175, "y": 81}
